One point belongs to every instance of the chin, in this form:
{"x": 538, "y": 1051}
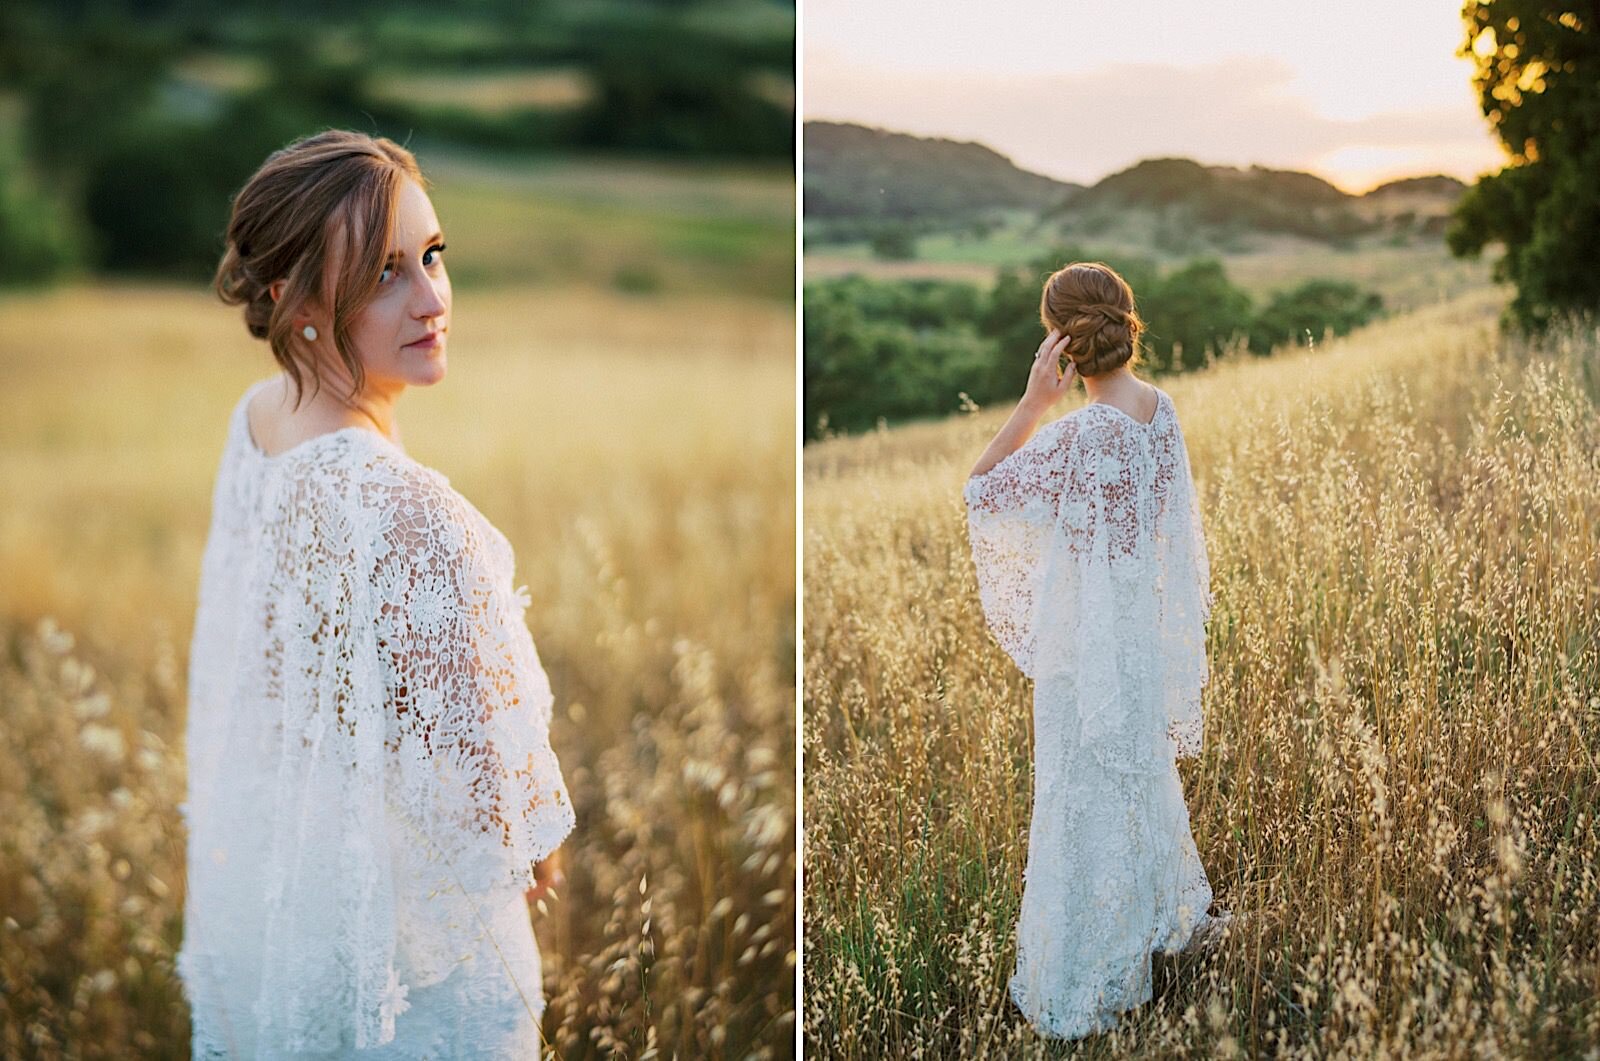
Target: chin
{"x": 427, "y": 372}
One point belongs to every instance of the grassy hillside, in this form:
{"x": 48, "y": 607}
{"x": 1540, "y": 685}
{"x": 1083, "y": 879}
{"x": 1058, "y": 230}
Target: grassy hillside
{"x": 951, "y": 210}
{"x": 638, "y": 453}
{"x": 1224, "y": 198}
{"x": 1402, "y": 755}
{"x": 852, "y": 171}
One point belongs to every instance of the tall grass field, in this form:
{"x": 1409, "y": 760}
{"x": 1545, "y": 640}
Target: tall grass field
{"x": 638, "y": 453}
{"x": 1400, "y": 786}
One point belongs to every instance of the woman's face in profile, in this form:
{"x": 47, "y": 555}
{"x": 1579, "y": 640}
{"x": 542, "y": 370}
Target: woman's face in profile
{"x": 412, "y": 301}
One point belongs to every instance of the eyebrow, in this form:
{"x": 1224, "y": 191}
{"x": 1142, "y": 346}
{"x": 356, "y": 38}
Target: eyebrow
{"x": 435, "y": 238}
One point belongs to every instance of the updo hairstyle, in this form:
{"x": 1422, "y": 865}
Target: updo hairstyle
{"x": 335, "y": 189}
{"x": 1094, "y": 307}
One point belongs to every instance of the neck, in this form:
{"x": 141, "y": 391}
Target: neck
{"x": 374, "y": 407}
{"x": 1110, "y": 383}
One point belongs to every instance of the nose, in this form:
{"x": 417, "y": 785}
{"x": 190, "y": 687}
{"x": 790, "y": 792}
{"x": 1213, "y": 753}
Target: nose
{"x": 433, "y": 298}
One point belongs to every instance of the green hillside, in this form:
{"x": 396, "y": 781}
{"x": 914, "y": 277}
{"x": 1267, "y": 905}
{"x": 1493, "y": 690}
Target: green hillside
{"x": 898, "y": 197}
{"x": 854, "y": 172}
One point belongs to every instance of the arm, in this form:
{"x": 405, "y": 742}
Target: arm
{"x": 548, "y": 875}
{"x": 1047, "y": 383}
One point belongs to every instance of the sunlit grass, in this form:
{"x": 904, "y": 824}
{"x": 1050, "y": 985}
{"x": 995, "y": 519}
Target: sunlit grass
{"x": 638, "y": 454}
{"x": 1400, "y": 782}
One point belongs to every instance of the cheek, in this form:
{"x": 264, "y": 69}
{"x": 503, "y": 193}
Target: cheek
{"x": 375, "y": 330}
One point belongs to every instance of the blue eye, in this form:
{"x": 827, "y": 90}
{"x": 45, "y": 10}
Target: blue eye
{"x": 436, "y": 248}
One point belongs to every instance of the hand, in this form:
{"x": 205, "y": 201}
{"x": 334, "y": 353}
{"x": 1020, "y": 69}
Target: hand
{"x": 1047, "y": 383}
{"x": 547, "y": 875}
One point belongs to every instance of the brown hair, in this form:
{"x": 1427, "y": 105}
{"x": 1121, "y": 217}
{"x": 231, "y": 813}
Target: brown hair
{"x": 335, "y": 188}
{"x": 1094, "y": 307}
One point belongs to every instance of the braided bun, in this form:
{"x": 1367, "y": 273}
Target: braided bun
{"x": 237, "y": 283}
{"x": 1093, "y": 306}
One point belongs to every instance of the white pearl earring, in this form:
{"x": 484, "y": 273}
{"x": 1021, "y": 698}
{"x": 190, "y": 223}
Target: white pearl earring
{"x": 310, "y": 332}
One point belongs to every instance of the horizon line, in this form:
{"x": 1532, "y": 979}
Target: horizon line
{"x": 1082, "y": 184}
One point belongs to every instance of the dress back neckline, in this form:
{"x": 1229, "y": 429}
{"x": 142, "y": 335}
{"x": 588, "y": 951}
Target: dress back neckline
{"x": 1161, "y": 401}
{"x": 261, "y": 456}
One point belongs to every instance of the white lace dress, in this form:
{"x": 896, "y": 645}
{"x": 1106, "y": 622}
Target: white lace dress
{"x": 370, "y": 771}
{"x": 1093, "y": 574}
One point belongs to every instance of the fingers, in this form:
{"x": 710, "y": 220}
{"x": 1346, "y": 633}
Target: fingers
{"x": 1049, "y": 340}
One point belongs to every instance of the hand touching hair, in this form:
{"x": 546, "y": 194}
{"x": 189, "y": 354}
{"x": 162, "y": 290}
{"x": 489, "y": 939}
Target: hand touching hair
{"x": 1093, "y": 307}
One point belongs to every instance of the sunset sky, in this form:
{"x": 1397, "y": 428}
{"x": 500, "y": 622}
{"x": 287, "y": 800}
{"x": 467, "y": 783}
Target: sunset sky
{"x": 1357, "y": 92}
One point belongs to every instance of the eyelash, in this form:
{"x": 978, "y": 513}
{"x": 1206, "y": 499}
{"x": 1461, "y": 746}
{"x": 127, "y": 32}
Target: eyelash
{"x": 440, "y": 247}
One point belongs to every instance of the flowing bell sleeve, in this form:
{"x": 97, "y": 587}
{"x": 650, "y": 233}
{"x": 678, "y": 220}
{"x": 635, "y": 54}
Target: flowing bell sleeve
{"x": 469, "y": 705}
{"x": 1012, "y": 513}
{"x": 1055, "y": 533}
{"x": 1186, "y": 601}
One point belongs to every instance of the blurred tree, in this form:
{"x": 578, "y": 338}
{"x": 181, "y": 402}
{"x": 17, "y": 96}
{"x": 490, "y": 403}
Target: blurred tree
{"x": 84, "y": 87}
{"x": 661, "y": 84}
{"x": 1538, "y": 80}
{"x": 890, "y": 349}
{"x": 43, "y": 240}
{"x": 894, "y": 242}
{"x": 1306, "y": 313}
{"x": 159, "y": 197}
{"x": 898, "y": 349}
{"x": 1194, "y": 309}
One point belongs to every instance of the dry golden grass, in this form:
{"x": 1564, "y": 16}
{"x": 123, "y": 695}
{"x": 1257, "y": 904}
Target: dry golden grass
{"x": 1400, "y": 783}
{"x": 638, "y": 454}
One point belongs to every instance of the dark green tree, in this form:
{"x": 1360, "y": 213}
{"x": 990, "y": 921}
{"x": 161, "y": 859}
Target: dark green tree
{"x": 42, "y": 238}
{"x": 1306, "y": 313}
{"x": 894, "y": 242}
{"x": 1538, "y": 81}
{"x": 1191, "y": 310}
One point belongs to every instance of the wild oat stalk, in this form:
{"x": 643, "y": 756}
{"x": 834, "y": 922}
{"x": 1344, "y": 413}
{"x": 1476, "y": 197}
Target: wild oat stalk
{"x": 1400, "y": 781}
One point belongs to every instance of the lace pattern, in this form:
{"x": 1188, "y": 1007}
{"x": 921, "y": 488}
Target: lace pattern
{"x": 1093, "y": 576}
{"x": 1091, "y": 560}
{"x": 370, "y": 773}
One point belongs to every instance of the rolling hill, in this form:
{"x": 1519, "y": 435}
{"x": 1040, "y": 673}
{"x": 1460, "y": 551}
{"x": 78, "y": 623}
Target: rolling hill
{"x": 856, "y": 172}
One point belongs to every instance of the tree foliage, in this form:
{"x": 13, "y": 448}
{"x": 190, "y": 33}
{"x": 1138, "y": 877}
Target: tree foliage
{"x": 1538, "y": 81}
{"x": 900, "y": 349}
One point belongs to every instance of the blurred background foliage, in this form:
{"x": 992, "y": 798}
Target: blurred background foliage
{"x": 615, "y": 180}
{"x": 1537, "y": 74}
{"x": 892, "y": 349}
{"x": 125, "y": 128}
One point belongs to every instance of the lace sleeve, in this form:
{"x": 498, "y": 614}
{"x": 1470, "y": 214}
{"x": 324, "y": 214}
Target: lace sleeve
{"x": 1186, "y": 601}
{"x": 468, "y": 702}
{"x": 1012, "y": 511}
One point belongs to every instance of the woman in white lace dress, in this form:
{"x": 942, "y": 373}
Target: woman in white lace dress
{"x": 372, "y": 796}
{"x": 1093, "y": 574}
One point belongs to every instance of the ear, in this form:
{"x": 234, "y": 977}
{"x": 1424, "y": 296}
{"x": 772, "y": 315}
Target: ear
{"x": 275, "y": 289}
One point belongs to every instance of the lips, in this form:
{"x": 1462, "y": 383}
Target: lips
{"x": 429, "y": 341}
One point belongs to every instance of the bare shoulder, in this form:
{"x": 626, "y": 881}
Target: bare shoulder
{"x": 267, "y": 415}
{"x": 276, "y": 427}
